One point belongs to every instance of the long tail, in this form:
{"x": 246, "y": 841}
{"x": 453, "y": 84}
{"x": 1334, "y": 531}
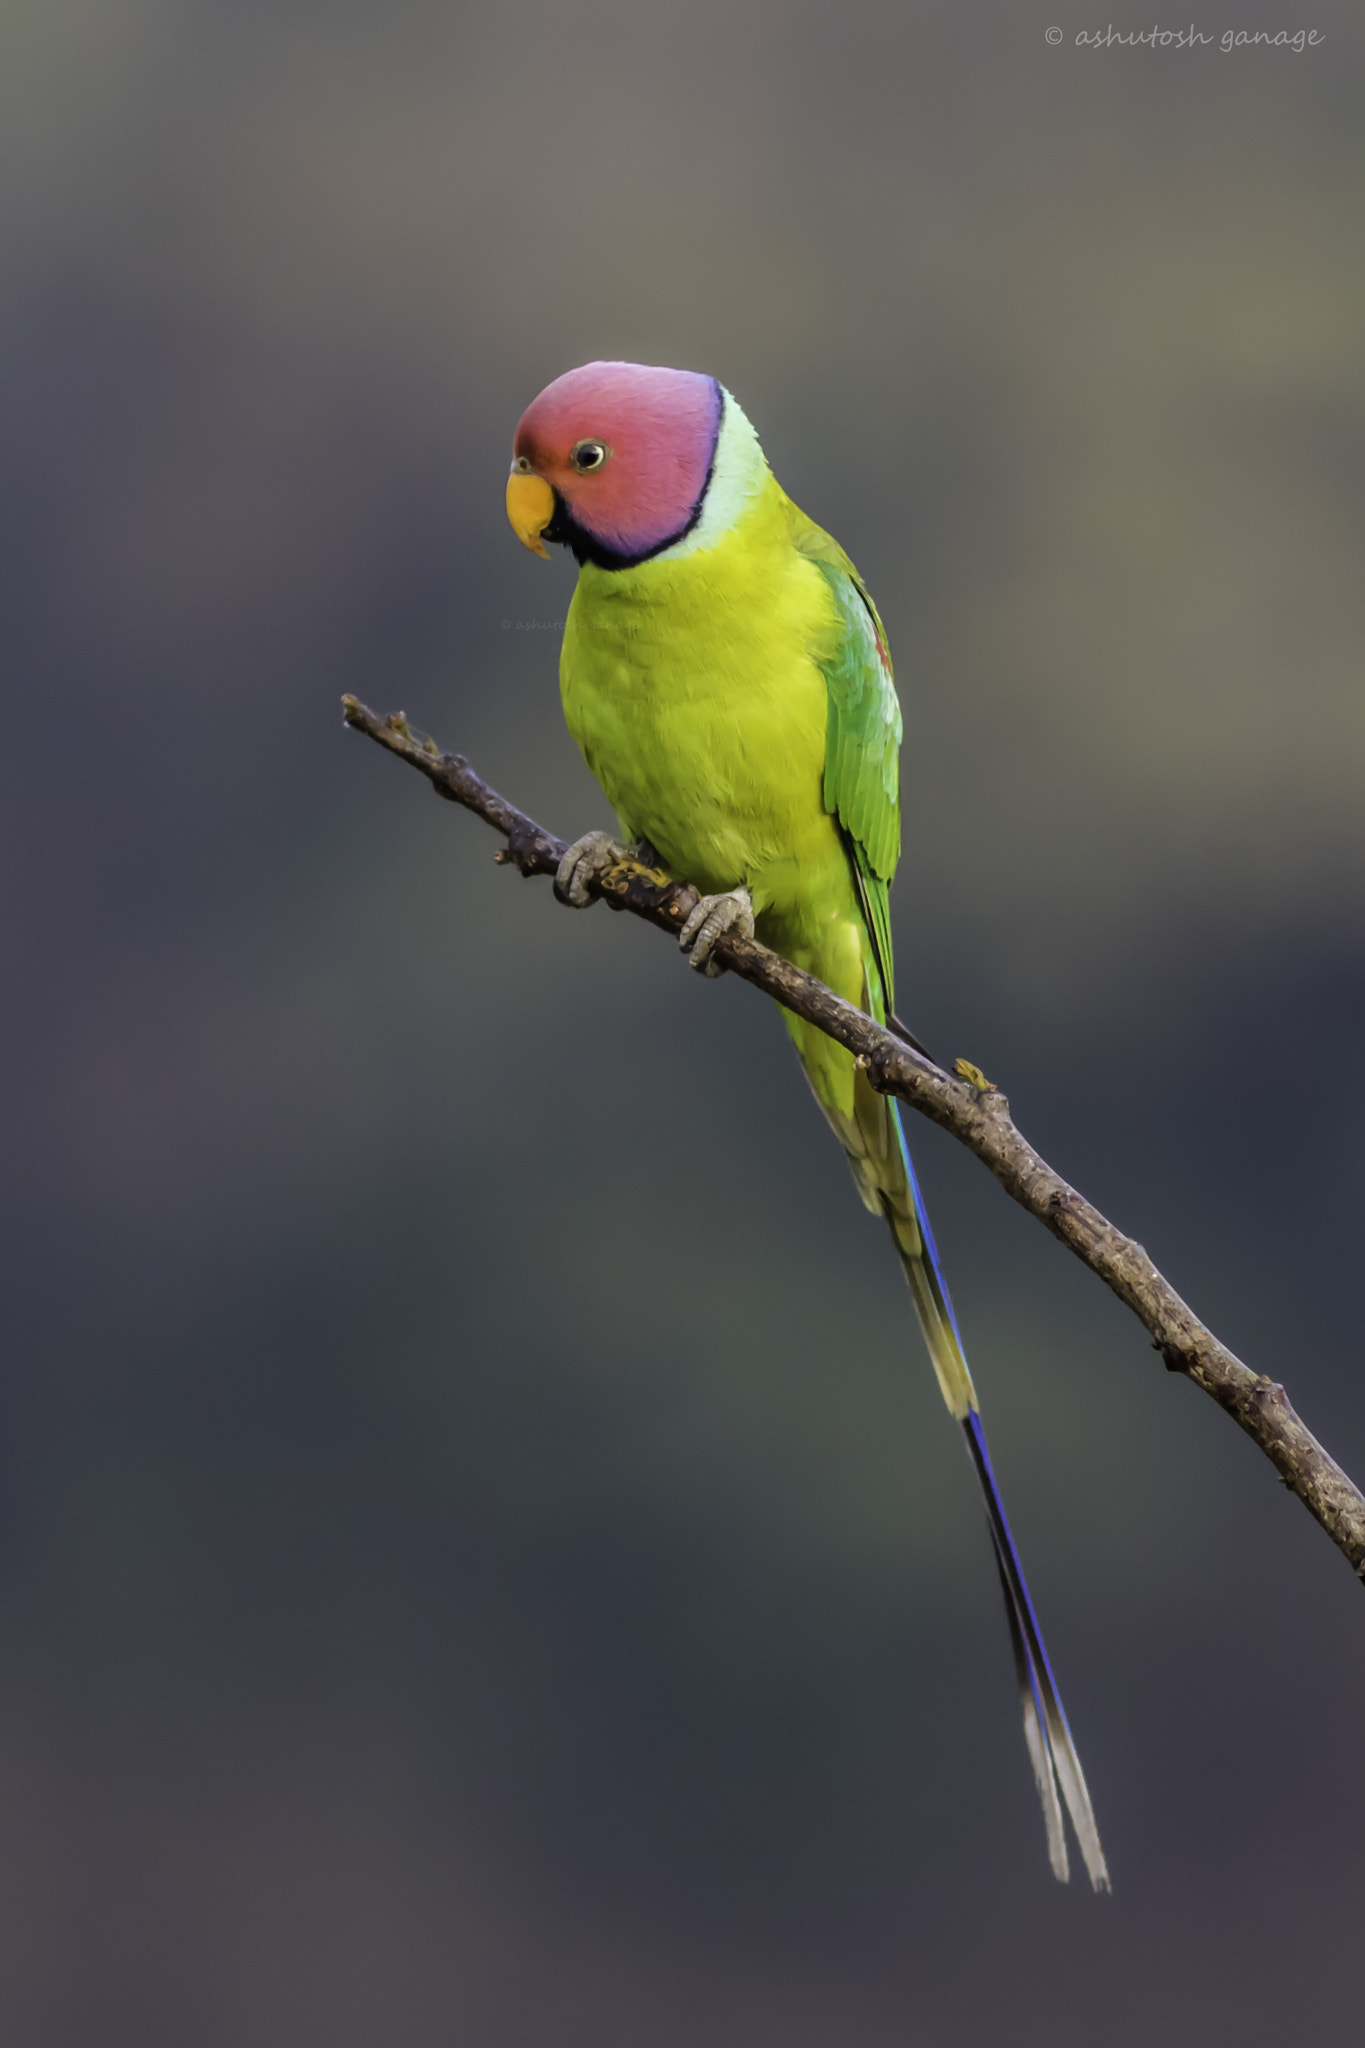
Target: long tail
{"x": 1051, "y": 1749}
{"x": 868, "y": 1127}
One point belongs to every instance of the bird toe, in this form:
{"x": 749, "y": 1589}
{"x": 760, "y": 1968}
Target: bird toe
{"x": 583, "y": 865}
{"x": 711, "y": 918}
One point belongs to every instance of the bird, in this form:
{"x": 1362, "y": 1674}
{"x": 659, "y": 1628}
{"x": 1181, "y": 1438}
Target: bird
{"x": 726, "y": 675}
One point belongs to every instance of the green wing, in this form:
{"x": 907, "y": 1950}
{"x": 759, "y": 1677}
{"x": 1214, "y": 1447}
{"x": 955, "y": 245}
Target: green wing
{"x": 862, "y": 740}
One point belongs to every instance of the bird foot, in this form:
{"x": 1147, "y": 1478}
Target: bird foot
{"x": 583, "y": 866}
{"x": 731, "y": 912}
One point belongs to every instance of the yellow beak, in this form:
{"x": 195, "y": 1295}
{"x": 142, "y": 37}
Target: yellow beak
{"x": 530, "y": 507}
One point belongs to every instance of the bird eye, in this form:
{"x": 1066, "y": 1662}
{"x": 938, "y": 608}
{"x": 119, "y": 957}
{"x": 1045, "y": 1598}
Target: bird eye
{"x": 587, "y": 455}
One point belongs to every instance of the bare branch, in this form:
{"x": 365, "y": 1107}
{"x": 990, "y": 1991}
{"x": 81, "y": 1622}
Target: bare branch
{"x": 978, "y": 1115}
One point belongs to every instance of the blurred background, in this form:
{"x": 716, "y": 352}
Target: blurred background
{"x": 482, "y": 1559}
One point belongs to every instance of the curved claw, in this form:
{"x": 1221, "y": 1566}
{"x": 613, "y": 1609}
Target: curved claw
{"x": 587, "y": 859}
{"x": 731, "y": 912}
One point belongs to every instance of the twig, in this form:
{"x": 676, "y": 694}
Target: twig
{"x": 965, "y": 1104}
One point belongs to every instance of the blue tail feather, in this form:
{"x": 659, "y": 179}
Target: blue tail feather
{"x": 926, "y": 1229}
{"x": 1049, "y": 1739}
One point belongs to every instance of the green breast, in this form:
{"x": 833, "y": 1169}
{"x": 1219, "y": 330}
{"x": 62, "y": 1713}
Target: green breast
{"x": 693, "y": 688}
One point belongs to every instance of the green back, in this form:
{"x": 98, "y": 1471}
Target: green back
{"x": 862, "y": 742}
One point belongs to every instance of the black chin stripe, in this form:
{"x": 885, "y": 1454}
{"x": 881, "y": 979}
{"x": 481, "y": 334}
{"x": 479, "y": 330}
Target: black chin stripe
{"x": 565, "y": 531}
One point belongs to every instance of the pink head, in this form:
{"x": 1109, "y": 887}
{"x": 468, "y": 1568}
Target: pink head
{"x": 626, "y": 454}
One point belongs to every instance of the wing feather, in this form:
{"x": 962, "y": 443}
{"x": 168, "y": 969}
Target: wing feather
{"x": 862, "y": 738}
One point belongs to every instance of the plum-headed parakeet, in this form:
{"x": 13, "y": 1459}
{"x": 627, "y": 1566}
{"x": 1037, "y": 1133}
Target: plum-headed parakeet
{"x": 726, "y": 676}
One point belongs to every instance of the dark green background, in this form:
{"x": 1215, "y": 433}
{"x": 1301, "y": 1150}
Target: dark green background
{"x": 482, "y": 1559}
